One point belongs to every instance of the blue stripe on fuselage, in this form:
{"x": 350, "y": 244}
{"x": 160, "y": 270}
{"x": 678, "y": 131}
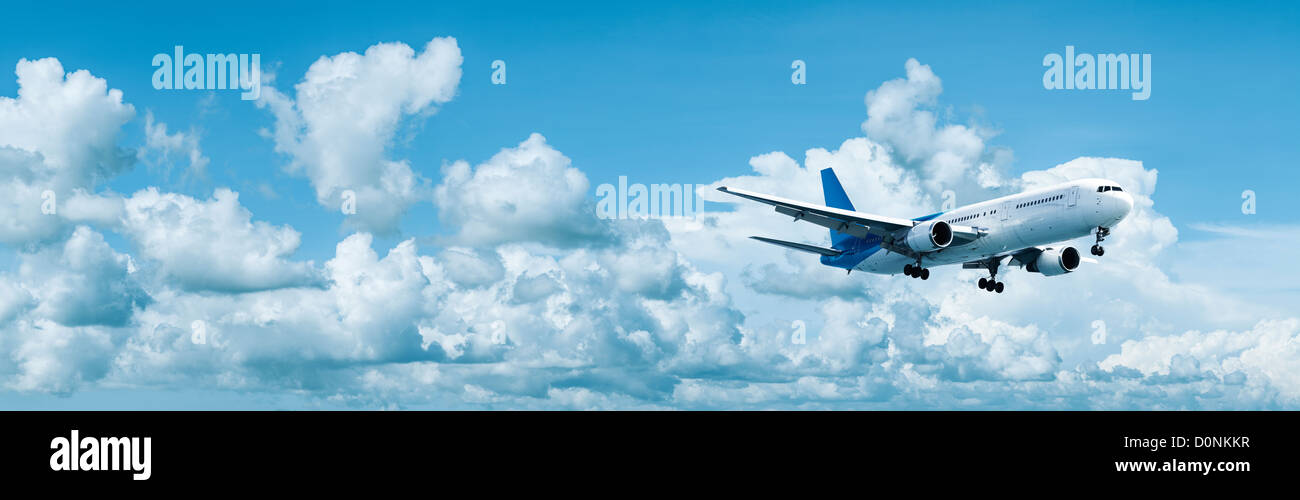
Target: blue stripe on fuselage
{"x": 857, "y": 249}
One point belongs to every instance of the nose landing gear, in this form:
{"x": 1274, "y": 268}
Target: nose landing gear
{"x": 1102, "y": 233}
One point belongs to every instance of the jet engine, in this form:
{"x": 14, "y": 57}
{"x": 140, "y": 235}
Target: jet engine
{"x": 929, "y": 236}
{"x": 1053, "y": 262}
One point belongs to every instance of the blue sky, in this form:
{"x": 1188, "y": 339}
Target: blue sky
{"x": 689, "y": 93}
{"x": 686, "y": 92}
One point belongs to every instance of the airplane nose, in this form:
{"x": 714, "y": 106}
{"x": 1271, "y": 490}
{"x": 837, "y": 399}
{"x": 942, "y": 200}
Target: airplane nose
{"x": 1126, "y": 203}
{"x": 1119, "y": 205}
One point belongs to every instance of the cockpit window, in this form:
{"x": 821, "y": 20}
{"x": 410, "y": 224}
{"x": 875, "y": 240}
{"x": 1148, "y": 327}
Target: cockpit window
{"x": 1103, "y": 189}
{"x": 1115, "y": 188}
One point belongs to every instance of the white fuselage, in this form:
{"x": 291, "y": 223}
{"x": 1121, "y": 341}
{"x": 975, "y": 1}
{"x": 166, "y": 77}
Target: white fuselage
{"x": 1032, "y": 218}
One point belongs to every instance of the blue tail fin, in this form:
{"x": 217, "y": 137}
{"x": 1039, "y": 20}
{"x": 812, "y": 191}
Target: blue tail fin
{"x": 835, "y": 198}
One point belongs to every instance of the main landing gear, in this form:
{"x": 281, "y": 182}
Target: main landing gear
{"x": 991, "y": 283}
{"x": 1102, "y": 233}
{"x": 916, "y": 271}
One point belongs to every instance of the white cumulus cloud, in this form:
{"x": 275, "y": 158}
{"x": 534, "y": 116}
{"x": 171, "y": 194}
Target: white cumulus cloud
{"x": 343, "y": 115}
{"x": 214, "y": 244}
{"x": 58, "y": 140}
{"x": 526, "y": 193}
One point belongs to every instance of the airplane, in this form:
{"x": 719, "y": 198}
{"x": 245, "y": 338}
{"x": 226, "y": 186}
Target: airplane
{"x": 1027, "y": 227}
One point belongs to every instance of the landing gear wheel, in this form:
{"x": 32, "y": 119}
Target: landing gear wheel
{"x": 1102, "y": 233}
{"x": 991, "y": 283}
{"x": 925, "y": 274}
{"x": 907, "y": 269}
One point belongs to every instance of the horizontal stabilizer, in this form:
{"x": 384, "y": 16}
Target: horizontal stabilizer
{"x": 799, "y": 246}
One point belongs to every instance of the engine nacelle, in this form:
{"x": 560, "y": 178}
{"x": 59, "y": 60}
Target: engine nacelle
{"x": 929, "y": 236}
{"x": 1053, "y": 262}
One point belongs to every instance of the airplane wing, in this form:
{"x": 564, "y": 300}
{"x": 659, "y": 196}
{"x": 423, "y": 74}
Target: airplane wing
{"x": 989, "y": 263}
{"x": 799, "y": 246}
{"x": 962, "y": 235}
{"x": 1021, "y": 257}
{"x": 851, "y": 222}
{"x": 1024, "y": 256}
